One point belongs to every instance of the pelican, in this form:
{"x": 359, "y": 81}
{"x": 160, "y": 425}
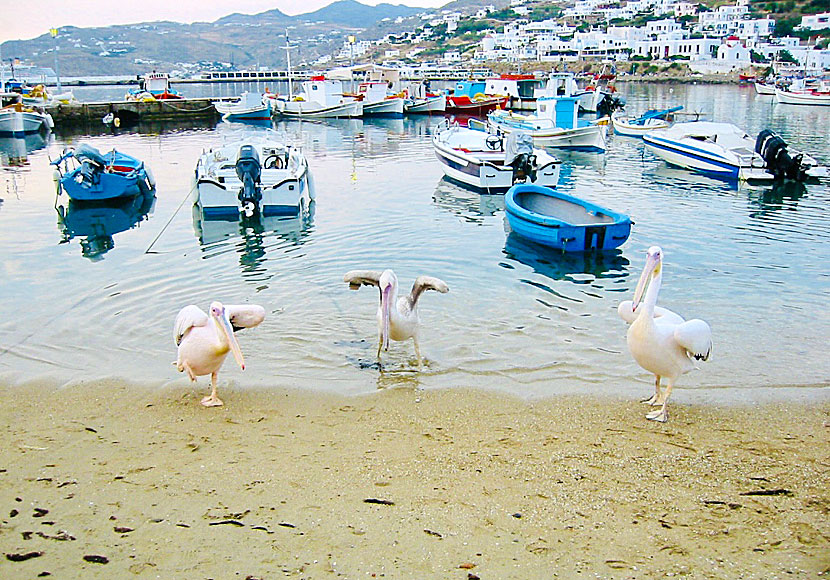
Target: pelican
{"x": 204, "y": 340}
{"x": 661, "y": 341}
{"x": 397, "y": 317}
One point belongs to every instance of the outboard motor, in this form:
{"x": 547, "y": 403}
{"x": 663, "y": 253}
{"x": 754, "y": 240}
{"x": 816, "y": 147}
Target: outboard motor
{"x": 609, "y": 104}
{"x": 92, "y": 165}
{"x": 249, "y": 171}
{"x": 518, "y": 153}
{"x": 773, "y": 150}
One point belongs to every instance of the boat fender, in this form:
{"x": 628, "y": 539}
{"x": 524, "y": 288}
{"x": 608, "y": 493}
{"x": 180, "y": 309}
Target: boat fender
{"x": 151, "y": 179}
{"x": 478, "y": 97}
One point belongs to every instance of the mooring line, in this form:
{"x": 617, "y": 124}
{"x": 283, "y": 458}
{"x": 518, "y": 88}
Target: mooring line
{"x": 153, "y": 243}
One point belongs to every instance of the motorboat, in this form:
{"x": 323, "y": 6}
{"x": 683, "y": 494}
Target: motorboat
{"x": 551, "y": 218}
{"x": 248, "y": 107}
{"x": 18, "y": 119}
{"x": 253, "y": 175}
{"x": 726, "y": 151}
{"x": 802, "y": 94}
{"x": 648, "y": 121}
{"x": 491, "y": 162}
{"x": 86, "y": 174}
{"x": 153, "y": 86}
{"x": 469, "y": 98}
{"x": 375, "y": 100}
{"x": 320, "y": 97}
{"x": 555, "y": 124}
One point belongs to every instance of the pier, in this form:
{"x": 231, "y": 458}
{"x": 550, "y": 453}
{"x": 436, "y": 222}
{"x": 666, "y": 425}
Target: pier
{"x": 134, "y": 111}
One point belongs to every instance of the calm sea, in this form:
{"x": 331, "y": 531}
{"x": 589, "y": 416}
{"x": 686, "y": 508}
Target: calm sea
{"x": 87, "y": 294}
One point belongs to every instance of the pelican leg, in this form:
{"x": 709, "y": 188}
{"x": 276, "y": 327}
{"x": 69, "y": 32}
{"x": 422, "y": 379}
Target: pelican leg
{"x": 186, "y": 367}
{"x": 657, "y": 399}
{"x": 418, "y": 353}
{"x": 662, "y": 415}
{"x": 212, "y": 400}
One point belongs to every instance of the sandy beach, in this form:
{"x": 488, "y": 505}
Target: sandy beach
{"x": 111, "y": 480}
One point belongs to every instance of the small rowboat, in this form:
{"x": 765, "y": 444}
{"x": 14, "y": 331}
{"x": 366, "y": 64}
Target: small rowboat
{"x": 98, "y": 176}
{"x": 648, "y": 121}
{"x": 550, "y": 218}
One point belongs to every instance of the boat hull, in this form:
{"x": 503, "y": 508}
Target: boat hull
{"x": 689, "y": 157}
{"x": 563, "y": 222}
{"x": 436, "y": 104}
{"x": 312, "y": 110}
{"x": 108, "y": 186}
{"x": 588, "y": 138}
{"x": 624, "y": 126}
{"x": 387, "y": 107}
{"x": 789, "y": 98}
{"x": 764, "y": 89}
{"x": 463, "y": 105}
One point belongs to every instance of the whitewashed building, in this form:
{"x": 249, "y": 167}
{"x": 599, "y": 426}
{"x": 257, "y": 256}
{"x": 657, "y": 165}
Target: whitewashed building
{"x": 814, "y": 21}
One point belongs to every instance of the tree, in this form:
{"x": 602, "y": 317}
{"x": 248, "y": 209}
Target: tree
{"x": 756, "y": 57}
{"x": 786, "y": 56}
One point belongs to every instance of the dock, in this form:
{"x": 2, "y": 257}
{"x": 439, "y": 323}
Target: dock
{"x": 133, "y": 111}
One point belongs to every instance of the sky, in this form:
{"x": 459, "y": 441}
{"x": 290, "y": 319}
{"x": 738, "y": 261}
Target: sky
{"x": 24, "y": 19}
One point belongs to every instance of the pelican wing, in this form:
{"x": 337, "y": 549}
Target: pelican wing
{"x": 244, "y": 315}
{"x": 188, "y": 317}
{"x": 358, "y": 278}
{"x": 426, "y": 283}
{"x": 662, "y": 314}
{"x": 696, "y": 337}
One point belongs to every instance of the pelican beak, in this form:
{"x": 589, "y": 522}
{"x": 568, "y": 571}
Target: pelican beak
{"x": 385, "y": 305}
{"x": 653, "y": 263}
{"x": 225, "y": 324}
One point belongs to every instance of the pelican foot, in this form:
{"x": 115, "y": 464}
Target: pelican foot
{"x": 212, "y": 401}
{"x": 653, "y": 401}
{"x": 660, "y": 416}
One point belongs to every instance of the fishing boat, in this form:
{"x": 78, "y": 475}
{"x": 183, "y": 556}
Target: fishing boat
{"x": 555, "y": 124}
{"x": 419, "y": 99}
{"x": 319, "y": 98}
{"x": 253, "y": 175}
{"x": 521, "y": 88}
{"x": 89, "y": 175}
{"x": 804, "y": 95}
{"x": 551, "y": 218}
{"x": 648, "y": 121}
{"x": 726, "y": 151}
{"x": 248, "y": 107}
{"x": 763, "y": 88}
{"x": 375, "y": 100}
{"x": 153, "y": 86}
{"x": 486, "y": 161}
{"x": 469, "y": 98}
{"x": 18, "y": 119}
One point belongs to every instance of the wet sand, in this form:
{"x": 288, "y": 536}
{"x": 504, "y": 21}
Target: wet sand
{"x": 405, "y": 484}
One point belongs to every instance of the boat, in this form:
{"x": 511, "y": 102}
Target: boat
{"x": 521, "y": 88}
{"x": 555, "y": 124}
{"x": 249, "y": 107}
{"x": 18, "y": 119}
{"x": 763, "y": 88}
{"x": 468, "y": 98}
{"x": 320, "y": 97}
{"x": 802, "y": 94}
{"x": 419, "y": 99}
{"x": 726, "y": 151}
{"x": 253, "y": 175}
{"x": 153, "y": 86}
{"x": 89, "y": 175}
{"x": 375, "y": 100}
{"x": 486, "y": 161}
{"x": 648, "y": 121}
{"x": 551, "y": 218}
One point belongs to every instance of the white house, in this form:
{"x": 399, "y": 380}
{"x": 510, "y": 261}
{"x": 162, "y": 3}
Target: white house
{"x": 733, "y": 52}
{"x": 814, "y": 21}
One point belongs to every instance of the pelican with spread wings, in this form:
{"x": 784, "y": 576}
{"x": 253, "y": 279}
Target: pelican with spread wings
{"x": 662, "y": 342}
{"x": 397, "y": 316}
{"x": 204, "y": 340}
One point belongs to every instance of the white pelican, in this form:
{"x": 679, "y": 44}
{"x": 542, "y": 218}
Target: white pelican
{"x": 397, "y": 317}
{"x": 204, "y": 341}
{"x": 659, "y": 340}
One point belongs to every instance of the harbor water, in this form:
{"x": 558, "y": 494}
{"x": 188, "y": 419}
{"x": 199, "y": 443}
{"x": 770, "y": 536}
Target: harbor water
{"x": 93, "y": 293}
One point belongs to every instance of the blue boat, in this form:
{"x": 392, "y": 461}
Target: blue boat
{"x": 550, "y": 218}
{"x": 96, "y": 176}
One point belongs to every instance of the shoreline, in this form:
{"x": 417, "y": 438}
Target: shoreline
{"x": 460, "y": 483}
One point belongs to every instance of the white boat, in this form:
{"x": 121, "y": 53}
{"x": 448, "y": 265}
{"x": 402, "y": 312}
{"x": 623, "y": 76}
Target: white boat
{"x": 763, "y": 88}
{"x": 637, "y": 126}
{"x": 17, "y": 119}
{"x": 248, "y": 107}
{"x": 419, "y": 99}
{"x": 320, "y": 97}
{"x": 556, "y": 124}
{"x": 723, "y": 150}
{"x": 804, "y": 95}
{"x": 253, "y": 175}
{"x": 521, "y": 88}
{"x": 491, "y": 162}
{"x": 375, "y": 100}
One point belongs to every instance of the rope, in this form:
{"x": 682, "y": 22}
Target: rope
{"x": 164, "y": 102}
{"x": 153, "y": 243}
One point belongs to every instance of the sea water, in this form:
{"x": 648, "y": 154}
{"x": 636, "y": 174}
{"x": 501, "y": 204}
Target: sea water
{"x": 92, "y": 294}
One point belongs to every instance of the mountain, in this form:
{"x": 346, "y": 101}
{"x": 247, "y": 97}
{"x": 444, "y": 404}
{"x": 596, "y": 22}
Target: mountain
{"x": 236, "y": 40}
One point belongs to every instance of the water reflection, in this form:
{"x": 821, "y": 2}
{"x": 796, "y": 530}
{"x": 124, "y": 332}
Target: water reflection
{"x": 14, "y": 151}
{"x": 99, "y": 221}
{"x": 782, "y": 195}
{"x": 467, "y": 204}
{"x": 558, "y": 265}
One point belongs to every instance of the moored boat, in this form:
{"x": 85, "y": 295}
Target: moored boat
{"x": 253, "y": 175}
{"x": 726, "y": 151}
{"x": 98, "y": 176}
{"x": 153, "y": 86}
{"x": 249, "y": 107}
{"x": 469, "y": 98}
{"x": 804, "y": 95}
{"x": 551, "y": 218}
{"x": 319, "y": 98}
{"x": 491, "y": 162}
{"x": 648, "y": 121}
{"x": 375, "y": 100}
